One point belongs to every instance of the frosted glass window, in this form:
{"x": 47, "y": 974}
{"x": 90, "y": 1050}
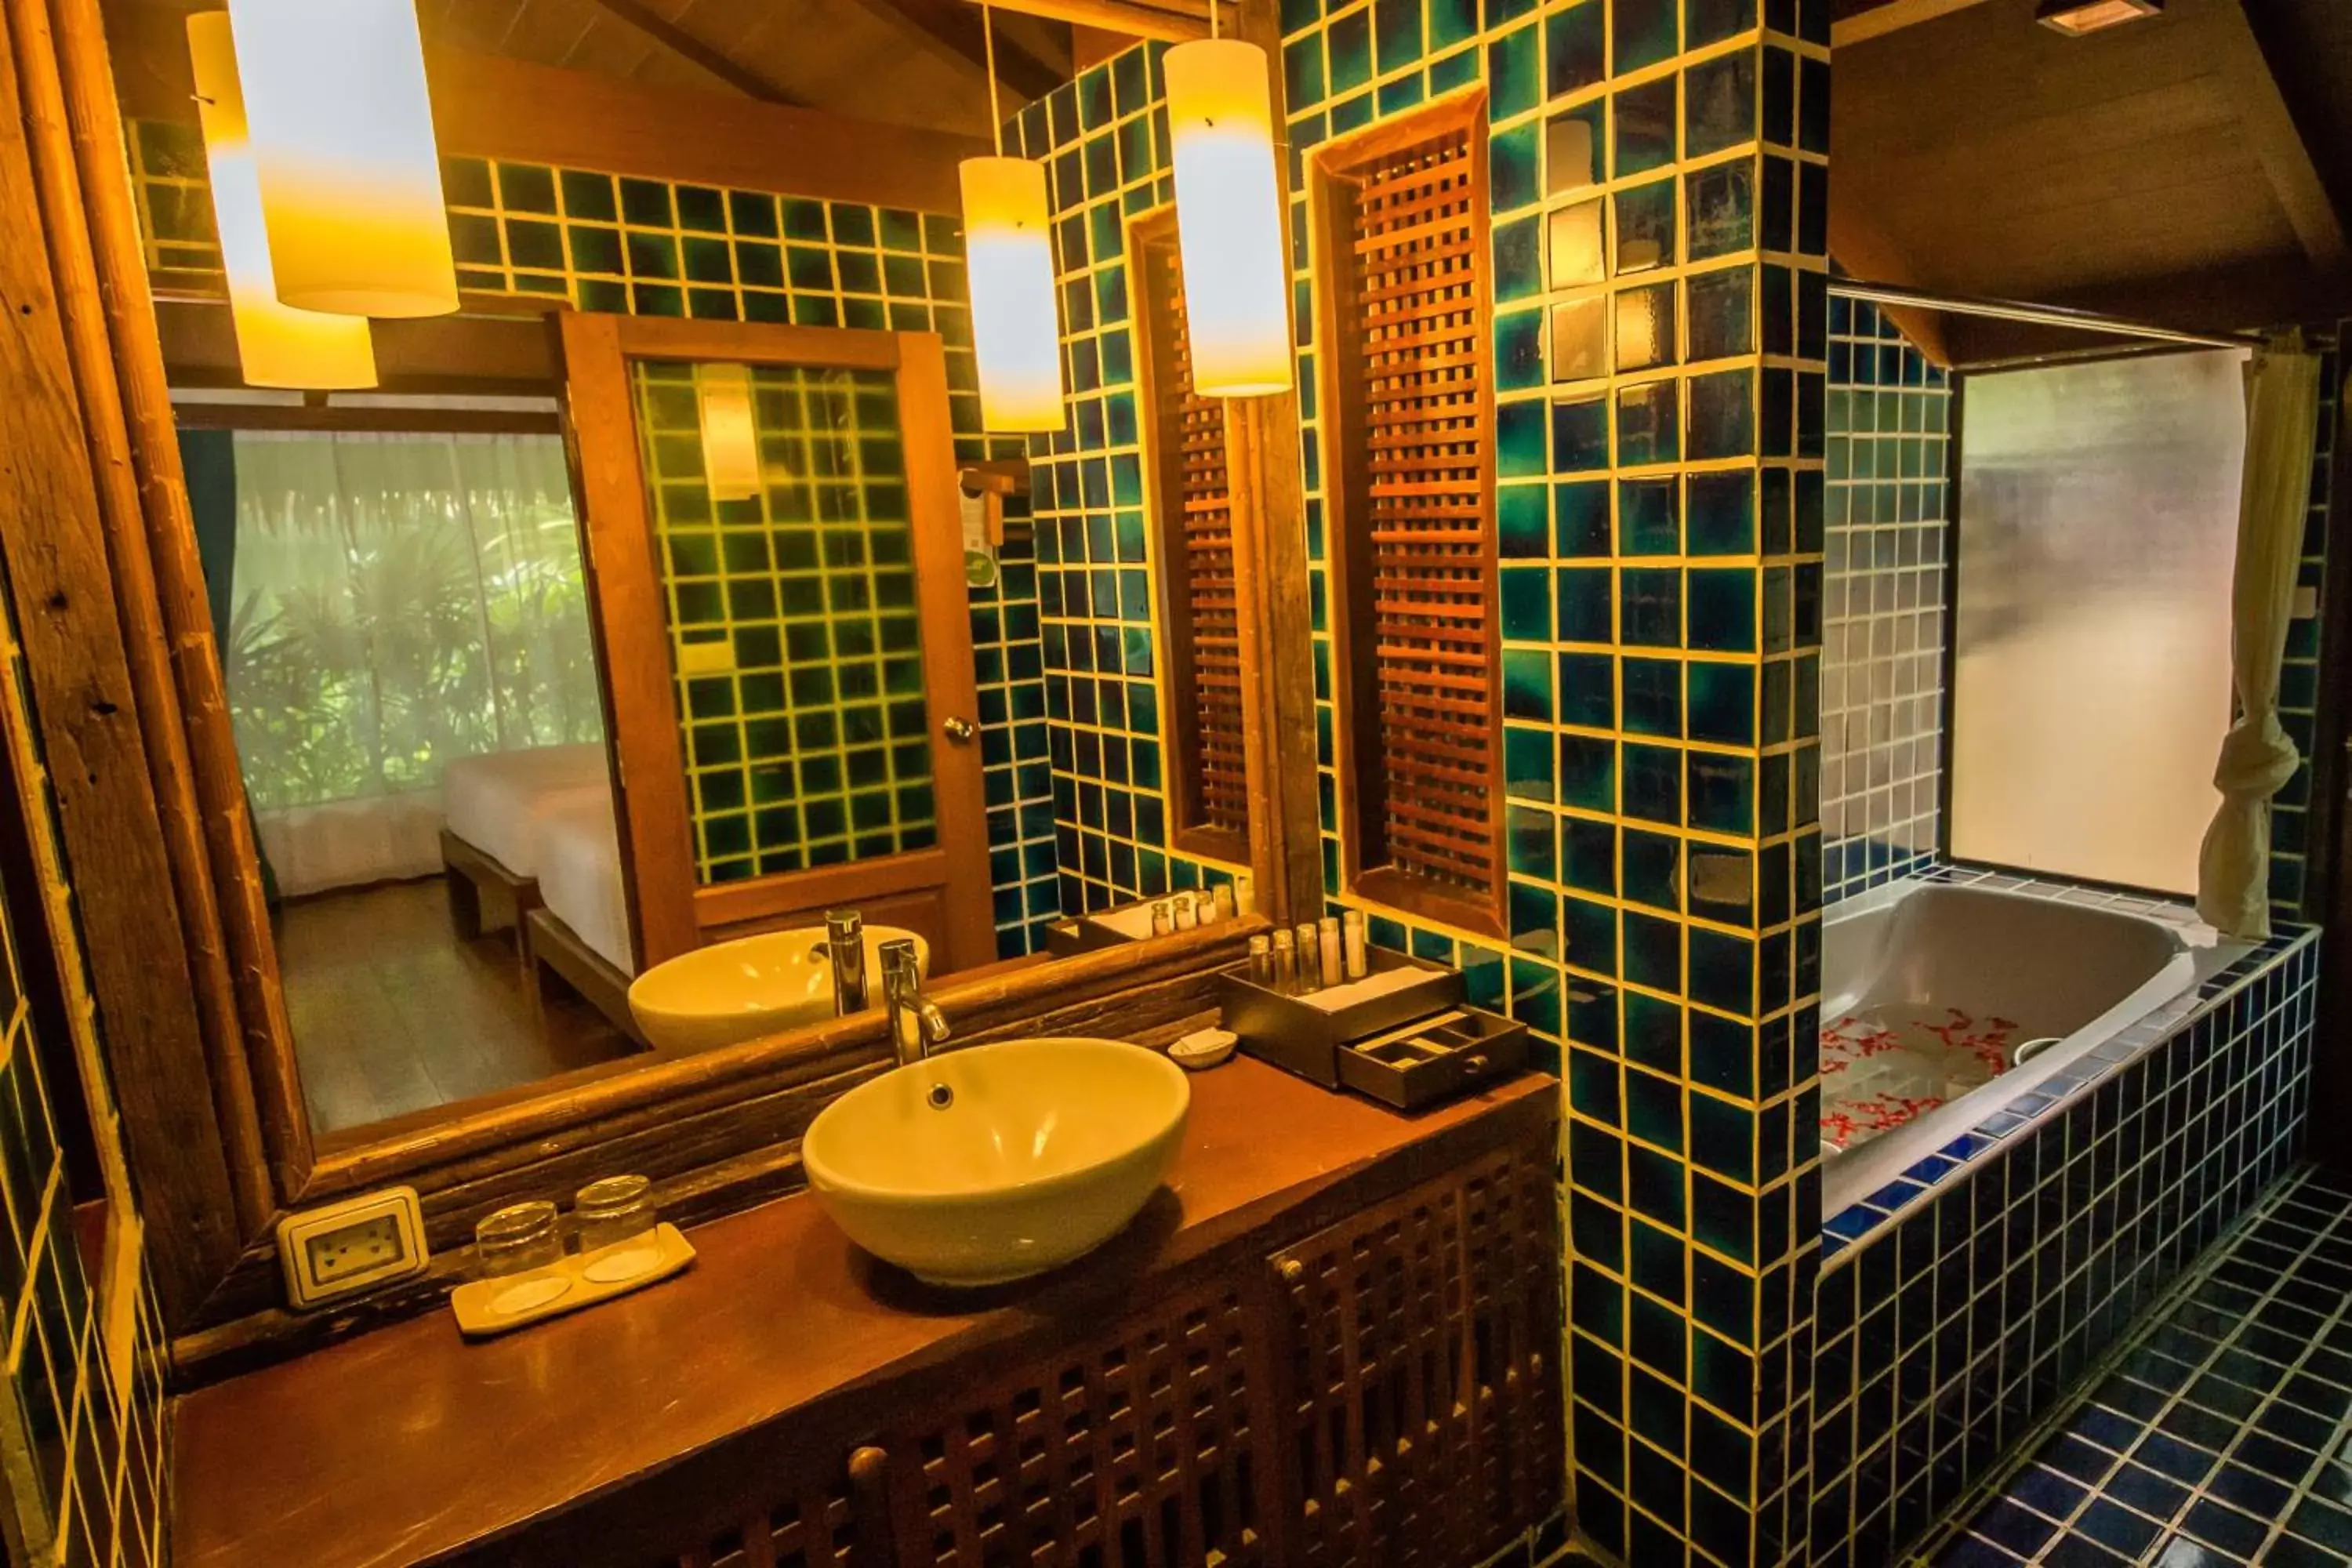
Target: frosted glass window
{"x": 2097, "y": 527}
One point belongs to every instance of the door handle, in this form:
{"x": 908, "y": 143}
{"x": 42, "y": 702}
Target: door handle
{"x": 959, "y": 730}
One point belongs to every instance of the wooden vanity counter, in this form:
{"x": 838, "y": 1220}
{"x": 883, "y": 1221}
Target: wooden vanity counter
{"x": 410, "y": 1445}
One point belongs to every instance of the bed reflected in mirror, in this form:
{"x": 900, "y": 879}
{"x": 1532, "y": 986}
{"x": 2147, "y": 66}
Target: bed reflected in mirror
{"x": 402, "y": 613}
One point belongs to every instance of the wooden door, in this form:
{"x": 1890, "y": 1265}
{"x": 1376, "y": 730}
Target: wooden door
{"x": 776, "y": 573}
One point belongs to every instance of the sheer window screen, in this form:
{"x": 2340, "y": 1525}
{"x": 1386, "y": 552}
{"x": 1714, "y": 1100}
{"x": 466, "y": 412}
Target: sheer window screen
{"x": 401, "y": 601}
{"x": 2091, "y": 684}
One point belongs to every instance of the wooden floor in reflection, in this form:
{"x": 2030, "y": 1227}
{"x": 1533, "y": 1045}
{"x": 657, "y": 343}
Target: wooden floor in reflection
{"x": 393, "y": 1015}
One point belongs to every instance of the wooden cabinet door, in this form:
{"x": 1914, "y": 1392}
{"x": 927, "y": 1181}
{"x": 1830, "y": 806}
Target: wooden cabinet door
{"x": 1142, "y": 1446}
{"x": 1419, "y": 1350}
{"x": 831, "y": 1518}
{"x": 774, "y": 566}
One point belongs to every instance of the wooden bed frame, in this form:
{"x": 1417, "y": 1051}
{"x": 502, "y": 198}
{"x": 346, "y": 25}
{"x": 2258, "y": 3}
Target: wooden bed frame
{"x": 468, "y": 874}
{"x": 554, "y": 951}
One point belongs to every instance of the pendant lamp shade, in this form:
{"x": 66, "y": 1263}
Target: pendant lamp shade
{"x": 342, "y": 141}
{"x": 1229, "y": 217}
{"x": 276, "y": 344}
{"x": 1016, "y": 328}
{"x": 730, "y": 435}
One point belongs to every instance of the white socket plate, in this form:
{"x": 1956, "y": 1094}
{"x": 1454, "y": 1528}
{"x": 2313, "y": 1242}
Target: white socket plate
{"x": 345, "y": 1247}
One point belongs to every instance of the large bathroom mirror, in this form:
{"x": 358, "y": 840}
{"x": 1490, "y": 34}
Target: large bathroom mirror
{"x": 671, "y": 595}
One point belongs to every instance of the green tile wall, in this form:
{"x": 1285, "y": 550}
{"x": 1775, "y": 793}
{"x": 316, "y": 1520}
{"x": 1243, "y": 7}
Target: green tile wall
{"x": 1104, "y": 141}
{"x": 612, "y": 243}
{"x": 1661, "y": 166}
{"x": 801, "y": 664}
{"x": 85, "y": 1445}
{"x": 1658, "y": 187}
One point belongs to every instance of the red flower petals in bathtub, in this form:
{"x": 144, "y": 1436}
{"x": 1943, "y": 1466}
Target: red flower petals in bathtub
{"x": 1889, "y": 1066}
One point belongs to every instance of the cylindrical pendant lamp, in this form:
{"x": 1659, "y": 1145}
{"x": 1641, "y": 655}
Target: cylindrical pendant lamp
{"x": 1015, "y": 327}
{"x": 1229, "y": 217}
{"x": 276, "y": 345}
{"x": 731, "y": 435}
{"x": 343, "y": 141}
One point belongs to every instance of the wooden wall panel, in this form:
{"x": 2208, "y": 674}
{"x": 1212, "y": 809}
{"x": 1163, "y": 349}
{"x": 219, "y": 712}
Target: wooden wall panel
{"x": 1410, "y": 526}
{"x": 1199, "y": 575}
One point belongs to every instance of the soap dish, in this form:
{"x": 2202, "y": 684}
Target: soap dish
{"x": 487, "y": 1307}
{"x": 1202, "y": 1049}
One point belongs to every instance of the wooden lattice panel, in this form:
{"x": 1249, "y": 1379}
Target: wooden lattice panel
{"x": 1139, "y": 1449}
{"x": 1408, "y": 338}
{"x": 1424, "y": 1424}
{"x": 816, "y": 1527}
{"x": 1201, "y": 600}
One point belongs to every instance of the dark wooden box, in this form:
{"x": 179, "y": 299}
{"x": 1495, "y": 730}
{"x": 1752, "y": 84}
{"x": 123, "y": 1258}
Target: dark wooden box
{"x": 1437, "y": 1063}
{"x": 1308, "y": 1040}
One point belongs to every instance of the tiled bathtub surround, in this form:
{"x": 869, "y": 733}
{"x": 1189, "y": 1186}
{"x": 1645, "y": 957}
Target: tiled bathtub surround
{"x": 1885, "y": 546}
{"x": 2219, "y": 1438}
{"x": 651, "y": 247}
{"x": 1955, "y": 1308}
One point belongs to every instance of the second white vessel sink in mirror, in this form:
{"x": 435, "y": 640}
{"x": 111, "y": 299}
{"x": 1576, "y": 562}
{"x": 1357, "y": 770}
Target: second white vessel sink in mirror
{"x": 997, "y": 1161}
{"x": 754, "y": 985}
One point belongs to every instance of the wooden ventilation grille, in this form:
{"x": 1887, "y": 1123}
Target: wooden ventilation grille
{"x": 1409, "y": 388}
{"x": 1200, "y": 600}
{"x": 1137, "y": 1451}
{"x": 819, "y": 1526}
{"x": 1425, "y": 1424}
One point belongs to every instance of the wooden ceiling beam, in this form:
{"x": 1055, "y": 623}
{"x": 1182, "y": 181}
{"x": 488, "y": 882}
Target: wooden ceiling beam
{"x": 954, "y": 27}
{"x": 485, "y": 106}
{"x": 694, "y": 52}
{"x": 1891, "y": 16}
{"x": 2270, "y": 128}
{"x": 1171, "y": 21}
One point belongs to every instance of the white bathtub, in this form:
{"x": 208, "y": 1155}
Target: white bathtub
{"x": 2046, "y": 967}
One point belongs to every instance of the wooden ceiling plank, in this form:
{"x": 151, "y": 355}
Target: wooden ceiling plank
{"x": 951, "y": 26}
{"x": 1892, "y": 17}
{"x": 2286, "y": 159}
{"x": 695, "y": 51}
{"x": 490, "y": 106}
{"x": 1172, "y": 25}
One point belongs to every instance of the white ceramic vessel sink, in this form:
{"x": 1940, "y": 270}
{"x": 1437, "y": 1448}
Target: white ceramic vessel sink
{"x": 751, "y": 987}
{"x": 1036, "y": 1151}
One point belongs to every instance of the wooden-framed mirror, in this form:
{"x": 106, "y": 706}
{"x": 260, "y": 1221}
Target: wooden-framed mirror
{"x": 1010, "y": 588}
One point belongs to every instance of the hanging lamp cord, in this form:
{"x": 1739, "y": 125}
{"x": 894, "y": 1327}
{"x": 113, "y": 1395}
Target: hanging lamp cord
{"x": 988, "y": 52}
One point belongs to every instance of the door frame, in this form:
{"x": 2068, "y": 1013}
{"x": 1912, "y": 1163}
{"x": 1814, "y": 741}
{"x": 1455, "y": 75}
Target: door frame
{"x": 669, "y": 911}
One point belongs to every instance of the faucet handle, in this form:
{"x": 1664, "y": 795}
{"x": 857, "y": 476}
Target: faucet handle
{"x": 845, "y": 946}
{"x": 899, "y": 960}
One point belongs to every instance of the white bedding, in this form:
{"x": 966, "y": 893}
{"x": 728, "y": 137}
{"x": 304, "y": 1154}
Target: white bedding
{"x": 493, "y": 801}
{"x": 578, "y": 852}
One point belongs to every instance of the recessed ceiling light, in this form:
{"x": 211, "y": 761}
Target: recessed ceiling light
{"x": 2076, "y": 18}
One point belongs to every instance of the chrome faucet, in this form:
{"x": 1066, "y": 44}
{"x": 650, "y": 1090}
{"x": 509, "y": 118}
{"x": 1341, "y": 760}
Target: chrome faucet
{"x": 916, "y": 1022}
{"x": 844, "y": 943}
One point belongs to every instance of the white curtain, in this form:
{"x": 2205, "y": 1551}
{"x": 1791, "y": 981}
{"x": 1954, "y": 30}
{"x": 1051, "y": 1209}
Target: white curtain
{"x": 2257, "y": 757}
{"x": 400, "y": 600}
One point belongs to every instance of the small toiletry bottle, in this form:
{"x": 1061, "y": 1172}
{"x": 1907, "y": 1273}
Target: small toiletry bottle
{"x": 1244, "y": 893}
{"x": 1204, "y": 908}
{"x": 1184, "y": 911}
{"x": 1310, "y": 963}
{"x": 1359, "y": 961}
{"x": 1223, "y": 902}
{"x": 1286, "y": 963}
{"x": 1261, "y": 961}
{"x": 1162, "y": 922}
{"x": 1326, "y": 942}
